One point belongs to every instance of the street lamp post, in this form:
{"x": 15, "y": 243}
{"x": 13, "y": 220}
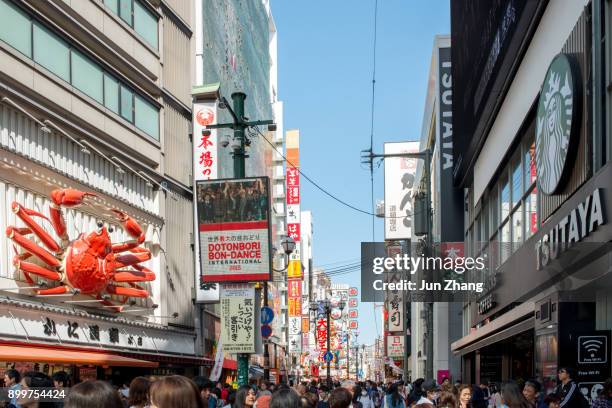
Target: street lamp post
{"x": 239, "y": 124}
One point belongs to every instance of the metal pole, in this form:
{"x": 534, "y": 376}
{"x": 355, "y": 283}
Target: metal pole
{"x": 239, "y": 154}
{"x": 348, "y": 353}
{"x": 406, "y": 306}
{"x": 429, "y": 374}
{"x": 266, "y": 373}
{"x": 328, "y": 312}
{"x": 239, "y": 172}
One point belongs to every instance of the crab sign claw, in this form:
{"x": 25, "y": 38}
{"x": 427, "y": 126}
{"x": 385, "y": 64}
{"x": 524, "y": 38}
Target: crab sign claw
{"x": 69, "y": 197}
{"x": 66, "y": 197}
{"x": 132, "y": 228}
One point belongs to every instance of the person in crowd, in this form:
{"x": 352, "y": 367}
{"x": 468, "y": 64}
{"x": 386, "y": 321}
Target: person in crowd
{"x": 93, "y": 394}
{"x": 35, "y": 379}
{"x": 61, "y": 379}
{"x": 486, "y": 392}
{"x": 531, "y": 392}
{"x": 568, "y": 391}
{"x": 431, "y": 392}
{"x": 464, "y": 393}
{"x": 362, "y": 397}
{"x": 204, "y": 385}
{"x": 11, "y": 381}
{"x": 417, "y": 392}
{"x": 393, "y": 399}
{"x": 446, "y": 385}
{"x": 225, "y": 391}
{"x": 139, "y": 393}
{"x": 309, "y": 400}
{"x": 245, "y": 397}
{"x": 323, "y": 397}
{"x": 285, "y": 398}
{"x": 552, "y": 401}
{"x": 447, "y": 399}
{"x": 175, "y": 391}
{"x": 512, "y": 397}
{"x": 214, "y": 398}
{"x": 478, "y": 398}
{"x": 263, "y": 401}
{"x": 604, "y": 400}
{"x": 300, "y": 389}
{"x": 264, "y": 388}
{"x": 340, "y": 398}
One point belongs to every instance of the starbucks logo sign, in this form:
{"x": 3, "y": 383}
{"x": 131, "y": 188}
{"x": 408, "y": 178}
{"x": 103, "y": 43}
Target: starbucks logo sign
{"x": 557, "y": 123}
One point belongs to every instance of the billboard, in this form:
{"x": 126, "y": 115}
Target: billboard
{"x": 400, "y": 176}
{"x": 233, "y": 218}
{"x": 395, "y": 346}
{"x": 238, "y": 318}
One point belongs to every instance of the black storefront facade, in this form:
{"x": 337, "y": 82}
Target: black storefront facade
{"x": 541, "y": 212}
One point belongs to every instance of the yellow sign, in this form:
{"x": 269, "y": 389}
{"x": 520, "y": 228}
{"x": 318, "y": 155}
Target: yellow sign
{"x": 295, "y": 269}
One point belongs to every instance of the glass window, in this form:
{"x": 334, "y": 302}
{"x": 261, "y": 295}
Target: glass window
{"x": 127, "y": 103}
{"x": 15, "y": 28}
{"x": 145, "y": 24}
{"x": 494, "y": 251}
{"x": 87, "y": 76}
{"x": 530, "y": 165}
{"x": 147, "y": 117}
{"x": 517, "y": 190}
{"x": 51, "y": 52}
{"x": 505, "y": 199}
{"x": 517, "y": 228}
{"x": 505, "y": 242}
{"x": 113, "y": 5}
{"x": 111, "y": 93}
{"x": 125, "y": 11}
{"x": 494, "y": 210}
{"x": 531, "y": 214}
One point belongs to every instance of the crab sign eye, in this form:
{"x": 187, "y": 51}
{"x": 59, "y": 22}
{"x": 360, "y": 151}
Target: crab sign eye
{"x": 111, "y": 229}
{"x": 100, "y": 225}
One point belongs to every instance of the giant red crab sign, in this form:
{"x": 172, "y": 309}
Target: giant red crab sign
{"x": 89, "y": 265}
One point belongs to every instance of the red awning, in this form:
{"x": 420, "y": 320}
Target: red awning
{"x": 30, "y": 354}
{"x": 230, "y": 364}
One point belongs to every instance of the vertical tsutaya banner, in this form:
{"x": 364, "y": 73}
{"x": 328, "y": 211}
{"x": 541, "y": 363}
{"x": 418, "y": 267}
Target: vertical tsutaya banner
{"x": 234, "y": 230}
{"x": 451, "y": 198}
{"x": 238, "y": 318}
{"x": 205, "y": 167}
{"x": 399, "y": 182}
{"x": 292, "y": 141}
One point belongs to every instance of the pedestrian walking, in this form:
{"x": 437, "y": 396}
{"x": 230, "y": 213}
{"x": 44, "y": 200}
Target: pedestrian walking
{"x": 175, "y": 391}
{"x": 465, "y": 396}
{"x": 93, "y": 394}
{"x": 35, "y": 379}
{"x": 568, "y": 391}
{"x": 604, "y": 400}
{"x": 340, "y": 398}
{"x": 393, "y": 399}
{"x": 364, "y": 398}
{"x": 447, "y": 400}
{"x": 512, "y": 397}
{"x": 285, "y": 398}
{"x": 431, "y": 391}
{"x": 139, "y": 393}
{"x": 245, "y": 397}
{"x": 12, "y": 379}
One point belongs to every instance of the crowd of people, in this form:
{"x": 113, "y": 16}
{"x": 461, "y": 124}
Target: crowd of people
{"x": 199, "y": 392}
{"x": 232, "y": 201}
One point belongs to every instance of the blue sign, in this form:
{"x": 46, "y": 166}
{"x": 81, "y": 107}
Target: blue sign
{"x": 328, "y": 356}
{"x": 267, "y": 315}
{"x": 266, "y": 331}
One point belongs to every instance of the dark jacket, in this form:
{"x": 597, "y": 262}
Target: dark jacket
{"x": 570, "y": 396}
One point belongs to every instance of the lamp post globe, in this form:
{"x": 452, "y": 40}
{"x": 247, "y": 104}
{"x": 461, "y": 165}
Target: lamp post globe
{"x": 288, "y": 245}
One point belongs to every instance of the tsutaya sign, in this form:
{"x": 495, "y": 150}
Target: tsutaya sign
{"x": 574, "y": 227}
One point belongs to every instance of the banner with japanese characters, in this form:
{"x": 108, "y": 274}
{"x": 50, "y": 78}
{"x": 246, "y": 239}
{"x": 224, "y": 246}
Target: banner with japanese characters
{"x": 394, "y": 298}
{"x": 395, "y": 346}
{"x": 205, "y": 167}
{"x": 234, "y": 230}
{"x": 292, "y": 176}
{"x": 238, "y": 318}
{"x": 400, "y": 176}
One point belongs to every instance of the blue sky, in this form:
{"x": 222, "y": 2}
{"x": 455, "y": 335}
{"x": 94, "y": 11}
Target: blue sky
{"x": 325, "y": 74}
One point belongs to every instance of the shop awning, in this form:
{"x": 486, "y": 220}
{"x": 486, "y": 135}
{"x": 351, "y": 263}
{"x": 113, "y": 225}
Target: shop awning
{"x": 230, "y": 364}
{"x": 30, "y": 354}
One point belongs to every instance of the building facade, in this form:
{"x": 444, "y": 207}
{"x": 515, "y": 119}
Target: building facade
{"x": 95, "y": 96}
{"x": 531, "y": 91}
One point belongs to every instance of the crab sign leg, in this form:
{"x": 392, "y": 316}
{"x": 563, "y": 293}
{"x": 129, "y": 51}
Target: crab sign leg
{"x": 142, "y": 274}
{"x": 58, "y": 290}
{"x": 133, "y": 229}
{"x": 32, "y": 247}
{"x": 65, "y": 197}
{"x": 122, "y": 291}
{"x": 132, "y": 259}
{"x": 26, "y": 215}
{"x": 29, "y": 267}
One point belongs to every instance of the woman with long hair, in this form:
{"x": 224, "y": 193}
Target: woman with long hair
{"x": 464, "y": 392}
{"x": 175, "y": 391}
{"x": 285, "y": 398}
{"x": 245, "y": 397}
{"x": 447, "y": 400}
{"x": 93, "y": 394}
{"x": 512, "y": 397}
{"x": 393, "y": 399}
{"x": 139, "y": 392}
